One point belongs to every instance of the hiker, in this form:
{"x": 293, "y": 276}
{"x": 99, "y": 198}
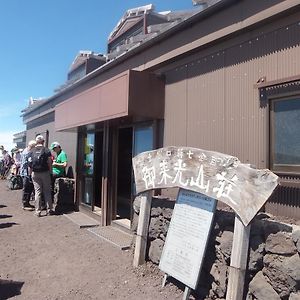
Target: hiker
{"x": 7, "y": 163}
{"x": 1, "y": 159}
{"x": 59, "y": 164}
{"x": 17, "y": 161}
{"x": 40, "y": 165}
{"x": 60, "y": 161}
{"x": 26, "y": 176}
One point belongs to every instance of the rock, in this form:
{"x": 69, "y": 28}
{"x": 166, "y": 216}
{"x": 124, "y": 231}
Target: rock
{"x": 291, "y": 265}
{"x": 257, "y": 250}
{"x": 296, "y": 235}
{"x": 261, "y": 289}
{"x": 280, "y": 243}
{"x": 224, "y": 219}
{"x": 156, "y": 211}
{"x": 274, "y": 227}
{"x": 137, "y": 204}
{"x": 275, "y": 270}
{"x": 155, "y": 250}
{"x": 226, "y": 243}
{"x": 294, "y": 296}
{"x": 298, "y": 246}
{"x": 167, "y": 213}
{"x": 219, "y": 273}
{"x": 296, "y": 239}
{"x": 157, "y": 227}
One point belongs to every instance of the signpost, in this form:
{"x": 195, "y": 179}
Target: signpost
{"x": 187, "y": 237}
{"x": 215, "y": 175}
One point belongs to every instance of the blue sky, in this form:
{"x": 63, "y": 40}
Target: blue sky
{"x": 40, "y": 39}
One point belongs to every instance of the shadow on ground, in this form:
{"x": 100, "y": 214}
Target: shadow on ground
{"x": 5, "y": 216}
{"x": 7, "y": 225}
{"x": 9, "y": 288}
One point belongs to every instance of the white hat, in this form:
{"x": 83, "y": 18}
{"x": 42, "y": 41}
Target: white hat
{"x": 39, "y": 138}
{"x": 54, "y": 145}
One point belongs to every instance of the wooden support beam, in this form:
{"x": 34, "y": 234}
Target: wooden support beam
{"x": 142, "y": 229}
{"x": 238, "y": 260}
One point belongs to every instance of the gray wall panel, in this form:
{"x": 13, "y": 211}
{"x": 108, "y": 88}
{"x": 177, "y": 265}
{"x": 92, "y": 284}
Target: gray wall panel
{"x": 218, "y": 106}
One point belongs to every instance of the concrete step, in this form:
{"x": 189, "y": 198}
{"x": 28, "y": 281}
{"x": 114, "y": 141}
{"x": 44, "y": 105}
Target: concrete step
{"x": 113, "y": 235}
{"x": 82, "y": 220}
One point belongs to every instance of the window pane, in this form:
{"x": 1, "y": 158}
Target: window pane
{"x": 88, "y": 190}
{"x": 89, "y": 154}
{"x": 143, "y": 139}
{"x": 287, "y": 132}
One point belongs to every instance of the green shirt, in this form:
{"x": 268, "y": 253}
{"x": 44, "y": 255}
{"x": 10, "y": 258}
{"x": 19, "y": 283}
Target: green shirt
{"x": 61, "y": 158}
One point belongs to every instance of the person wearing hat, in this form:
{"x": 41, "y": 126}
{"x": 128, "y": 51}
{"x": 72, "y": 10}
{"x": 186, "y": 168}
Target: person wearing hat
{"x": 59, "y": 163}
{"x": 40, "y": 165}
{"x": 27, "y": 180}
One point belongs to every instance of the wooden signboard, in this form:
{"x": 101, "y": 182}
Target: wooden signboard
{"x": 219, "y": 176}
{"x": 187, "y": 237}
{"x": 215, "y": 175}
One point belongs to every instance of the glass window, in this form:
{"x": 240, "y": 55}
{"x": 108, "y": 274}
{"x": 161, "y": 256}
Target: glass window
{"x": 143, "y": 139}
{"x": 89, "y": 154}
{"x": 88, "y": 190}
{"x": 285, "y": 137}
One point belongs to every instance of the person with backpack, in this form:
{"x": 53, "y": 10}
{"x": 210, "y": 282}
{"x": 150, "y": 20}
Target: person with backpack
{"x": 26, "y": 177}
{"x": 40, "y": 165}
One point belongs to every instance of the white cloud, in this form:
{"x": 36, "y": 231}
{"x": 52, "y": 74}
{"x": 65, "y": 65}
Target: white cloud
{"x": 6, "y": 139}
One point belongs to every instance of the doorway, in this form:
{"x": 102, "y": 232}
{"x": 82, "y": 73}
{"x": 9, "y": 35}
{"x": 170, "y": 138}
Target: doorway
{"x": 124, "y": 173}
{"x": 92, "y": 170}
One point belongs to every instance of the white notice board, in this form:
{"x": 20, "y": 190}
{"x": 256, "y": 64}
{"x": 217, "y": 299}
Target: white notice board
{"x": 187, "y": 237}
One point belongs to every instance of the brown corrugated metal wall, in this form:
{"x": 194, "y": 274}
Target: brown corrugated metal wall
{"x": 211, "y": 101}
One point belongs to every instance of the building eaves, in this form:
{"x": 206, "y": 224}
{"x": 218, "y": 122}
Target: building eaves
{"x": 199, "y": 15}
{"x": 33, "y": 106}
{"x": 20, "y": 134}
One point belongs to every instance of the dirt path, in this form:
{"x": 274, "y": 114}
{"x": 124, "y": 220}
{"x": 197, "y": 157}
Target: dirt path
{"x": 51, "y": 258}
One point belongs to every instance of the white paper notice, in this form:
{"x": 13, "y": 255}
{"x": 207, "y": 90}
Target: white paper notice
{"x": 187, "y": 237}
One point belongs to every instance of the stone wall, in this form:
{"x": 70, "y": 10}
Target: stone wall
{"x": 273, "y": 266}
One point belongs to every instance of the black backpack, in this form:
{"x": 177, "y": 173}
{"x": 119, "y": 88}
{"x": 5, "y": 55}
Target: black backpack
{"x": 38, "y": 159}
{"x": 15, "y": 182}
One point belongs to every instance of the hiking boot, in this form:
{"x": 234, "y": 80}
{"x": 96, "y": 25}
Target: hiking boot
{"x": 37, "y": 214}
{"x": 28, "y": 207}
{"x": 50, "y": 213}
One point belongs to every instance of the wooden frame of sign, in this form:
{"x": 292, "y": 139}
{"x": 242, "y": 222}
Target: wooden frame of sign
{"x": 215, "y": 175}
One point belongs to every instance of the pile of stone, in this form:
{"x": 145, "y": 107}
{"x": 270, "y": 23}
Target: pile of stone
{"x": 274, "y": 263}
{"x": 64, "y": 195}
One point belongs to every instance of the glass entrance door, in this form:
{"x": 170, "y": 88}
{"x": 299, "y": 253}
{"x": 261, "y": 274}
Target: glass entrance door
{"x": 92, "y": 170}
{"x": 124, "y": 173}
{"x": 88, "y": 169}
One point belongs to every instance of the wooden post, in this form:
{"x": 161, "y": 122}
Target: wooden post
{"x": 142, "y": 229}
{"x": 238, "y": 260}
